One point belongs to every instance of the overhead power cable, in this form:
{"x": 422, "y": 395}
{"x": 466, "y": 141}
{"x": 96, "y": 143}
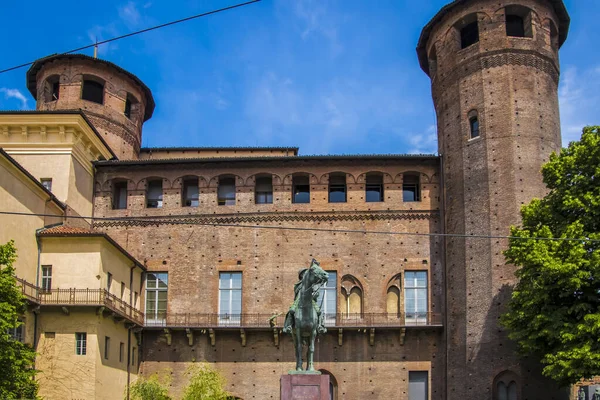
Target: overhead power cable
{"x": 172, "y": 219}
{"x": 141, "y": 31}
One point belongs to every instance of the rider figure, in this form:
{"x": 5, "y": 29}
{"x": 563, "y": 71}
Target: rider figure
{"x": 289, "y": 318}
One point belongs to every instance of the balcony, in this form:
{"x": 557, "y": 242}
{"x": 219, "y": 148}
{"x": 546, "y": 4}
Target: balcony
{"x": 269, "y": 321}
{"x": 81, "y": 297}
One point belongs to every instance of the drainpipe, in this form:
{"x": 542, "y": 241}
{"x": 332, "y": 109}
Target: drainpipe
{"x": 37, "y": 283}
{"x": 129, "y": 331}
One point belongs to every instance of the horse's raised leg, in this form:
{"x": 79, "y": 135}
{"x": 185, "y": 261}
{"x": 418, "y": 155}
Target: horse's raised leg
{"x": 311, "y": 350}
{"x": 298, "y": 344}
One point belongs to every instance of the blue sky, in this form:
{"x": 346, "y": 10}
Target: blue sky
{"x": 329, "y": 76}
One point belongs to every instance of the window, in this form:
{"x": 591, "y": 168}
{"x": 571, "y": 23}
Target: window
{"x": 121, "y": 351}
{"x": 415, "y": 297}
{"x": 226, "y": 191}
{"x": 133, "y": 356}
{"x": 374, "y": 188}
{"x": 353, "y": 296}
{"x": 108, "y": 281}
{"x": 106, "y": 347}
{"x": 135, "y": 299}
{"x": 300, "y": 189}
{"x": 47, "y": 183}
{"x": 156, "y": 298}
{"x": 418, "y": 385}
{"x": 518, "y": 21}
{"x": 80, "y": 343}
{"x": 16, "y": 334}
{"x": 328, "y": 299}
{"x": 122, "y": 290}
{"x": 120, "y": 195}
{"x": 411, "y": 188}
{"x": 131, "y": 105}
{"x": 264, "y": 190}
{"x": 52, "y": 88}
{"x": 191, "y": 193}
{"x": 393, "y": 302}
{"x": 230, "y": 298}
{"x": 93, "y": 91}
{"x": 474, "y": 124}
{"x": 46, "y": 278}
{"x": 337, "y": 188}
{"x": 469, "y": 33}
{"x": 154, "y": 194}
{"x": 506, "y": 387}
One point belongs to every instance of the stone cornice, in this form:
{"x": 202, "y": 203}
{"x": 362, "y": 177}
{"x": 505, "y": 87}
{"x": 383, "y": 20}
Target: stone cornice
{"x": 261, "y": 218}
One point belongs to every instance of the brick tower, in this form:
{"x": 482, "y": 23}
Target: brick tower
{"x": 116, "y": 102}
{"x": 494, "y": 70}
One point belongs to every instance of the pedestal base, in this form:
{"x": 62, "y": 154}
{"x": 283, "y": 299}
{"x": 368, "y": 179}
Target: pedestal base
{"x": 305, "y": 387}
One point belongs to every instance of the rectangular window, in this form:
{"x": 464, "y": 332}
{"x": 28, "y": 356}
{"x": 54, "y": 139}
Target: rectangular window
{"x": 418, "y": 382}
{"x": 469, "y": 35}
{"x": 120, "y": 196}
{"x": 264, "y": 190}
{"x": 226, "y": 192}
{"x": 106, "y": 347}
{"x": 191, "y": 193}
{"x": 121, "y": 351}
{"x": 374, "y": 189}
{"x": 411, "y": 189}
{"x": 415, "y": 297}
{"x": 93, "y": 91}
{"x": 135, "y": 299}
{"x": 230, "y": 298}
{"x": 108, "y": 281}
{"x": 16, "y": 334}
{"x": 328, "y": 299}
{"x": 156, "y": 298}
{"x": 337, "y": 189}
{"x": 55, "y": 90}
{"x": 300, "y": 190}
{"x": 474, "y": 123}
{"x": 127, "y": 111}
{"x": 80, "y": 343}
{"x": 154, "y": 194}
{"x": 47, "y": 183}
{"x": 46, "y": 278}
{"x": 122, "y": 290}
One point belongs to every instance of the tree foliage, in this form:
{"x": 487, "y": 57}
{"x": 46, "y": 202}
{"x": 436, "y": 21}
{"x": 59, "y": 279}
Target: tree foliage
{"x": 205, "y": 383}
{"x": 554, "y": 313}
{"x": 16, "y": 359}
{"x": 152, "y": 388}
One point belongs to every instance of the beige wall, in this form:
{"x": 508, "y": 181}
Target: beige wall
{"x": 119, "y": 266}
{"x": 19, "y": 194}
{"x": 76, "y": 262}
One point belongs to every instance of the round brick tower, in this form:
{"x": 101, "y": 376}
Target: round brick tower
{"x": 494, "y": 70}
{"x": 116, "y": 102}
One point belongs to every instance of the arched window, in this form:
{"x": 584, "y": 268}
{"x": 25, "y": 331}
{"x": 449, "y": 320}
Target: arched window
{"x": 93, "y": 90}
{"x": 333, "y": 385}
{"x": 226, "y": 191}
{"x": 411, "y": 188}
{"x": 518, "y": 21}
{"x": 469, "y": 31}
{"x": 337, "y": 187}
{"x": 393, "y": 297}
{"x": 300, "y": 189}
{"x": 353, "y": 296}
{"x": 52, "y": 88}
{"x": 131, "y": 106}
{"x": 506, "y": 386}
{"x": 474, "y": 126}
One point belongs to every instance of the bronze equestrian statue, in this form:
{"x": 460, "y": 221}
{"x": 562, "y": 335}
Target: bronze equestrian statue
{"x": 304, "y": 320}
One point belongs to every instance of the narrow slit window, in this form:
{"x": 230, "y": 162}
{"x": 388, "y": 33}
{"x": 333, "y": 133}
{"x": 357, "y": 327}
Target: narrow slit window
{"x": 106, "y": 347}
{"x": 374, "y": 188}
{"x": 191, "y": 193}
{"x": 264, "y": 190}
{"x": 226, "y": 192}
{"x": 93, "y": 91}
{"x": 469, "y": 34}
{"x": 337, "y": 188}
{"x": 120, "y": 195}
{"x": 300, "y": 189}
{"x": 154, "y": 194}
{"x": 474, "y": 125}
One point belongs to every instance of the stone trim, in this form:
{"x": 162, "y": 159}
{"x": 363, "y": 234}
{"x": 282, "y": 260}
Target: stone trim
{"x": 264, "y": 218}
{"x": 125, "y": 132}
{"x": 493, "y": 59}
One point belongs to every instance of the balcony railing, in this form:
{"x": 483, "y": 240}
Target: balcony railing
{"x": 265, "y": 321}
{"x": 81, "y": 297}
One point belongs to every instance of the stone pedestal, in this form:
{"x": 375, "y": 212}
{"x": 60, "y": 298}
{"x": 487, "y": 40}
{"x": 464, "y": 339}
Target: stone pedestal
{"x": 305, "y": 387}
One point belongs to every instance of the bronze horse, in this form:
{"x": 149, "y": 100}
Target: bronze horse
{"x": 304, "y": 320}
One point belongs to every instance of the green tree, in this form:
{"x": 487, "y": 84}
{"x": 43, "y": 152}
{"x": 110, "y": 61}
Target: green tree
{"x": 152, "y": 388}
{"x": 205, "y": 383}
{"x": 554, "y": 313}
{"x": 17, "y": 371}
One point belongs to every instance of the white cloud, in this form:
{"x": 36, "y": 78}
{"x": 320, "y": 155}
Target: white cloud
{"x": 579, "y": 94}
{"x": 130, "y": 15}
{"x": 15, "y": 94}
{"x": 423, "y": 143}
{"x": 316, "y": 20}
